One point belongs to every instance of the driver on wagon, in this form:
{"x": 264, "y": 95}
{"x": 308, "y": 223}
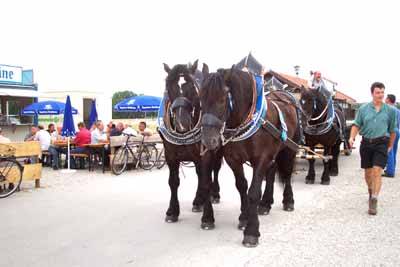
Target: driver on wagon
{"x": 318, "y": 83}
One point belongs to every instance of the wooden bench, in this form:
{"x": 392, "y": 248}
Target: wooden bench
{"x": 81, "y": 156}
{"x": 23, "y": 151}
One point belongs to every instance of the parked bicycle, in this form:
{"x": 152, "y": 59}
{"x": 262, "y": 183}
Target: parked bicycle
{"x": 141, "y": 154}
{"x": 160, "y": 159}
{"x": 10, "y": 175}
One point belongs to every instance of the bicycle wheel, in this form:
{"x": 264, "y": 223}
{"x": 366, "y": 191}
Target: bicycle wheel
{"x": 119, "y": 161}
{"x": 148, "y": 157}
{"x": 10, "y": 176}
{"x": 160, "y": 160}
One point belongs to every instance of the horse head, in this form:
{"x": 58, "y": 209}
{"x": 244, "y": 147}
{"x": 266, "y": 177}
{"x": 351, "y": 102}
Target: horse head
{"x": 219, "y": 105}
{"x": 312, "y": 102}
{"x": 182, "y": 89}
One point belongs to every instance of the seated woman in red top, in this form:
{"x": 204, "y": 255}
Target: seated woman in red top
{"x": 82, "y": 138}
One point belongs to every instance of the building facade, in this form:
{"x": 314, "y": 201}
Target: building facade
{"x": 17, "y": 90}
{"x": 81, "y": 100}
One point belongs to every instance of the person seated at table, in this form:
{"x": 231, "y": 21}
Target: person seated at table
{"x": 98, "y": 135}
{"x": 129, "y": 130}
{"x": 3, "y": 139}
{"x": 51, "y": 128}
{"x": 82, "y": 138}
{"x": 143, "y": 130}
{"x": 53, "y": 148}
{"x": 31, "y": 134}
{"x": 41, "y": 135}
{"x": 110, "y": 126}
{"x": 93, "y": 127}
{"x": 117, "y": 131}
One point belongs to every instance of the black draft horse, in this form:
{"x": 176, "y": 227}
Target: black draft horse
{"x": 182, "y": 113}
{"x": 227, "y": 99}
{"x": 318, "y": 110}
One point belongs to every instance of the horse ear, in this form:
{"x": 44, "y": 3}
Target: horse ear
{"x": 205, "y": 70}
{"x": 228, "y": 73}
{"x": 193, "y": 68}
{"x": 167, "y": 68}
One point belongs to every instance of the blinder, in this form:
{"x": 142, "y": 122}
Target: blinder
{"x": 182, "y": 102}
{"x": 211, "y": 120}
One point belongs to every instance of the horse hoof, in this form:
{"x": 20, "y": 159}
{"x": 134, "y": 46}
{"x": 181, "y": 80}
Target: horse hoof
{"x": 171, "y": 219}
{"x": 242, "y": 225}
{"x": 250, "y": 241}
{"x": 197, "y": 208}
{"x": 288, "y": 207}
{"x": 309, "y": 181}
{"x": 325, "y": 182}
{"x": 207, "y": 225}
{"x": 215, "y": 200}
{"x": 263, "y": 210}
{"x": 333, "y": 173}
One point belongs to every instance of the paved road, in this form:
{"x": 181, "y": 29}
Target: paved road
{"x": 91, "y": 219}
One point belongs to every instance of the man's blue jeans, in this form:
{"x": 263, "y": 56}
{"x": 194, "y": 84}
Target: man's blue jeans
{"x": 391, "y": 163}
{"x": 54, "y": 151}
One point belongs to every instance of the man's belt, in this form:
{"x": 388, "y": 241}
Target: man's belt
{"x": 375, "y": 140}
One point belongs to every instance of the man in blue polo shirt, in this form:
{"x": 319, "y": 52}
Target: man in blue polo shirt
{"x": 391, "y": 163}
{"x": 376, "y": 122}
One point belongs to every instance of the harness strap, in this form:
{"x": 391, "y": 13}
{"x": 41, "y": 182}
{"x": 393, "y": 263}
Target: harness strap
{"x": 283, "y": 123}
{"x": 253, "y": 104}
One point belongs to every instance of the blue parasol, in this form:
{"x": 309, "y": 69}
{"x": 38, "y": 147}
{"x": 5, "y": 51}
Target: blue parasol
{"x": 93, "y": 114}
{"x": 46, "y": 108}
{"x": 141, "y": 103}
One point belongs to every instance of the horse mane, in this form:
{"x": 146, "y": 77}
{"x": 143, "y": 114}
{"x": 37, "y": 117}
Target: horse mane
{"x": 213, "y": 85}
{"x": 240, "y": 87}
{"x": 175, "y": 72}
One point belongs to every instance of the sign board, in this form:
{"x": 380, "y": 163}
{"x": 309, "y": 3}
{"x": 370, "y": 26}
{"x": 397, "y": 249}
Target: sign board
{"x": 10, "y": 74}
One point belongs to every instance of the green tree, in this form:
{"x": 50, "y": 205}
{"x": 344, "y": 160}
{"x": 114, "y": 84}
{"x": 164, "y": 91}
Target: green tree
{"x": 118, "y": 97}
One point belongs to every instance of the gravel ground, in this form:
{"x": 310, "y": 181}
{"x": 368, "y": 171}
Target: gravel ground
{"x": 95, "y": 219}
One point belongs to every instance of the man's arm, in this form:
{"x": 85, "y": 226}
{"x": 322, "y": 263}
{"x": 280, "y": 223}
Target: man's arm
{"x": 392, "y": 128}
{"x": 353, "y": 134}
{"x": 391, "y": 140}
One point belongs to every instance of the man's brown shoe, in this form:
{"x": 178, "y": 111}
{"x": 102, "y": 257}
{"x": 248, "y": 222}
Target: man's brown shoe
{"x": 373, "y": 203}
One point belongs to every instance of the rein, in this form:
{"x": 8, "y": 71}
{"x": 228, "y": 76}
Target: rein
{"x": 324, "y": 126}
{"x": 190, "y": 137}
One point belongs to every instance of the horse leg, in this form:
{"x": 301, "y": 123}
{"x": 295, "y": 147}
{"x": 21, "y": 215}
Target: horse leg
{"x": 251, "y": 232}
{"x": 285, "y": 163}
{"x": 215, "y": 197}
{"x": 268, "y": 197}
{"x": 333, "y": 163}
{"x": 207, "y": 220}
{"x": 310, "y": 178}
{"x": 241, "y": 186}
{"x": 325, "y": 179}
{"x": 199, "y": 198}
{"x": 173, "y": 181}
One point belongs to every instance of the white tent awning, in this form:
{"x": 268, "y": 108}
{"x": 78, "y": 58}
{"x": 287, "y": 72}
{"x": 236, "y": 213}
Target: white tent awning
{"x": 19, "y": 92}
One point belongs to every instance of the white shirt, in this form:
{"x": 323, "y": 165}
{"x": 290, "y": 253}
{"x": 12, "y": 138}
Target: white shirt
{"x": 98, "y": 136}
{"x": 55, "y": 136}
{"x": 130, "y": 131}
{"x": 44, "y": 138}
{"x": 4, "y": 139}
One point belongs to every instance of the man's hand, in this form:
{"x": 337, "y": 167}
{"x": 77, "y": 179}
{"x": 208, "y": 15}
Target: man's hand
{"x": 351, "y": 142}
{"x": 390, "y": 149}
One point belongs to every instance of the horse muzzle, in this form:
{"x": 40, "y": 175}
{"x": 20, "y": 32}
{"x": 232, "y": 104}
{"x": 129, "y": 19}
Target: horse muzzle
{"x": 211, "y": 131}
